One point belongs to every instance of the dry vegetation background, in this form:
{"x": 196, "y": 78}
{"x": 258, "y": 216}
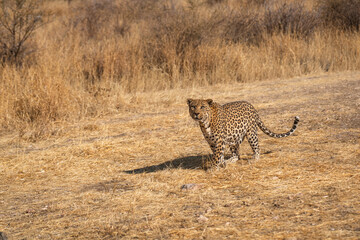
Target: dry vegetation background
{"x": 85, "y": 57}
{"x": 96, "y": 141}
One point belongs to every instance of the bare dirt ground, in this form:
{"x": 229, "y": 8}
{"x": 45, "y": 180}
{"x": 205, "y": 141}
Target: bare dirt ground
{"x": 120, "y": 176}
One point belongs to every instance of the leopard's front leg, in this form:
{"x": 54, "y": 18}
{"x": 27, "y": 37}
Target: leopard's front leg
{"x": 218, "y": 153}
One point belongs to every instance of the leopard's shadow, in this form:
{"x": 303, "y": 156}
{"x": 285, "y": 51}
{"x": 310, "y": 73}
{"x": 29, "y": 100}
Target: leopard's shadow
{"x": 190, "y": 162}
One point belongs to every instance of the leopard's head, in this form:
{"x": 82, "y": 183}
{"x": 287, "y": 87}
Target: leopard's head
{"x": 200, "y": 110}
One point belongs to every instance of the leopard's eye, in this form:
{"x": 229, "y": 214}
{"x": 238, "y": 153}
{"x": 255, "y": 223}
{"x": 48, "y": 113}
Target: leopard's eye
{"x": 192, "y": 108}
{"x": 202, "y": 107}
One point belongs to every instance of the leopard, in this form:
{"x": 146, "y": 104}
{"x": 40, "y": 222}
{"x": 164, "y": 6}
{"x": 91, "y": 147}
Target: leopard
{"x": 228, "y": 125}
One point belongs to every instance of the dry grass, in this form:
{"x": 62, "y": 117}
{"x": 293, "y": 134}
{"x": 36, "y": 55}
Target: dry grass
{"x": 76, "y": 184}
{"x": 96, "y": 141}
{"x": 91, "y": 54}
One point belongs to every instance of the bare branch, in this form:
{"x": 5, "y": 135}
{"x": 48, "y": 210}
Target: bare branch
{"x": 18, "y": 21}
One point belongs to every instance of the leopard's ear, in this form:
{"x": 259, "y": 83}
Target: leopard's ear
{"x": 189, "y": 100}
{"x": 209, "y": 101}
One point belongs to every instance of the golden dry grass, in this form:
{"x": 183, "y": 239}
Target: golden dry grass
{"x": 78, "y": 183}
{"x": 91, "y": 54}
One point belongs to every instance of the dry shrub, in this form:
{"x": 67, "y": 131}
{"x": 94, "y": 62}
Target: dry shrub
{"x": 91, "y": 17}
{"x": 173, "y": 43}
{"x": 250, "y": 26}
{"x": 290, "y": 18}
{"x": 343, "y": 14}
{"x": 214, "y": 2}
{"x": 136, "y": 10}
{"x": 256, "y": 2}
{"x": 95, "y": 19}
{"x": 244, "y": 28}
{"x": 18, "y": 21}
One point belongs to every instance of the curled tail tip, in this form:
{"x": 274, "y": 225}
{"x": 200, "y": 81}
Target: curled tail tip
{"x": 297, "y": 118}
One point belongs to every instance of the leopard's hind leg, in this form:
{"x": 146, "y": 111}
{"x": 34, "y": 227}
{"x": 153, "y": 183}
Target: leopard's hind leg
{"x": 235, "y": 153}
{"x": 254, "y": 141}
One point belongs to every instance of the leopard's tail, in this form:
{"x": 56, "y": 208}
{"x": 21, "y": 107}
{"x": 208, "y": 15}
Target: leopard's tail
{"x": 277, "y": 135}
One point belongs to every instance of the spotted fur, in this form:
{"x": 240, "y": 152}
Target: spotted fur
{"x": 229, "y": 124}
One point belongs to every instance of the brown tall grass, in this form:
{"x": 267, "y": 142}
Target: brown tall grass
{"x": 93, "y": 54}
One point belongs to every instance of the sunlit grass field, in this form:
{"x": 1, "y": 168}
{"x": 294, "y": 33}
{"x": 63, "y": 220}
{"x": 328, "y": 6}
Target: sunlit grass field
{"x": 96, "y": 141}
{"x": 120, "y": 176}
